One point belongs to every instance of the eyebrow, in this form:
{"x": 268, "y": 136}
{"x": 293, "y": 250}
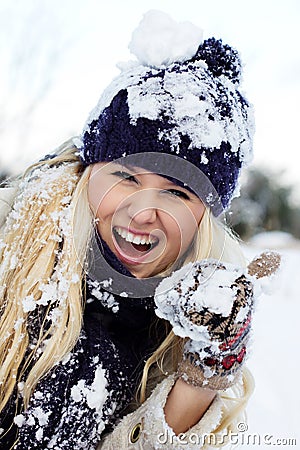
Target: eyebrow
{"x": 138, "y": 170}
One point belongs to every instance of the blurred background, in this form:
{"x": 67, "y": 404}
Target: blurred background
{"x": 56, "y": 57}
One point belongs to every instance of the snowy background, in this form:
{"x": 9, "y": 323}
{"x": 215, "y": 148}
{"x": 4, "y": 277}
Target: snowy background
{"x": 274, "y": 408}
{"x": 58, "y": 55}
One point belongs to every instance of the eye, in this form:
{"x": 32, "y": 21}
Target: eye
{"x": 125, "y": 176}
{"x": 178, "y": 193}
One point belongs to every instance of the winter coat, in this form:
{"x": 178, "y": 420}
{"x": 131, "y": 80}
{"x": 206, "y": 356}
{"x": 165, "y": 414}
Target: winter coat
{"x": 146, "y": 428}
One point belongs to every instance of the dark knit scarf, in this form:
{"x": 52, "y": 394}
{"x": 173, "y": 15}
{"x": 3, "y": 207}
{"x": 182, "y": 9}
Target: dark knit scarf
{"x": 84, "y": 395}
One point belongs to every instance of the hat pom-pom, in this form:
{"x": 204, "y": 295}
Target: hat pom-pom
{"x": 221, "y": 59}
{"x": 159, "y": 40}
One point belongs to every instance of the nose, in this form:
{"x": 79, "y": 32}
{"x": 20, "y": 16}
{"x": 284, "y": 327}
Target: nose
{"x": 143, "y": 207}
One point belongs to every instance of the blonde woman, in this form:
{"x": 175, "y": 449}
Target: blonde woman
{"x": 104, "y": 246}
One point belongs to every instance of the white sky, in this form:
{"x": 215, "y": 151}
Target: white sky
{"x": 74, "y": 45}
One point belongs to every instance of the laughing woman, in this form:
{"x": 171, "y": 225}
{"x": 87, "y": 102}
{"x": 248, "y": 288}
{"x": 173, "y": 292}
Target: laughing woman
{"x": 125, "y": 303}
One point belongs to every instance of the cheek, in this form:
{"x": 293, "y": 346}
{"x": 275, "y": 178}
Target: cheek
{"x": 188, "y": 218}
{"x": 182, "y": 227}
{"x": 96, "y": 191}
{"x": 102, "y": 198}
{"x": 188, "y": 230}
{"x": 173, "y": 230}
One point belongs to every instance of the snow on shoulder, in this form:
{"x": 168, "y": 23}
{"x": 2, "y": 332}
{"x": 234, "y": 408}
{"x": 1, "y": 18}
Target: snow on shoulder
{"x": 159, "y": 40}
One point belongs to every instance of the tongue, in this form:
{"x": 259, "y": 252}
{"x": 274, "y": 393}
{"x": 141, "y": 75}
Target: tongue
{"x": 141, "y": 247}
{"x": 133, "y": 250}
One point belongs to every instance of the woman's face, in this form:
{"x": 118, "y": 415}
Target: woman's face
{"x": 146, "y": 220}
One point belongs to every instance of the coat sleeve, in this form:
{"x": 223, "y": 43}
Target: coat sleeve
{"x": 147, "y": 429}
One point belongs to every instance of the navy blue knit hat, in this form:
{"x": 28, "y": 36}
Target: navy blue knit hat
{"x": 182, "y": 100}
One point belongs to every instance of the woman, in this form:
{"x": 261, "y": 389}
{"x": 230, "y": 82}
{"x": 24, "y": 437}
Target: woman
{"x": 91, "y": 321}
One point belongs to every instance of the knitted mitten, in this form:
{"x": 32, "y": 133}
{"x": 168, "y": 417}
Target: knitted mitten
{"x": 211, "y": 303}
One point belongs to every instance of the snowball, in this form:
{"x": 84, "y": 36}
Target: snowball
{"x": 96, "y": 394}
{"x": 41, "y": 415}
{"x": 159, "y": 40}
{"x": 76, "y": 391}
{"x": 13, "y": 262}
{"x": 28, "y": 303}
{"x": 75, "y": 278}
{"x": 30, "y": 421}
{"x": 19, "y": 420}
{"x": 242, "y": 314}
{"x": 123, "y": 294}
{"x": 39, "y": 434}
{"x": 106, "y": 283}
{"x": 38, "y": 395}
{"x": 170, "y": 282}
{"x": 197, "y": 287}
{"x": 49, "y": 293}
{"x": 18, "y": 323}
{"x": 21, "y": 386}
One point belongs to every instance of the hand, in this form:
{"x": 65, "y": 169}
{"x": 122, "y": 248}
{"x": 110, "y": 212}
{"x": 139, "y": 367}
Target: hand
{"x": 211, "y": 303}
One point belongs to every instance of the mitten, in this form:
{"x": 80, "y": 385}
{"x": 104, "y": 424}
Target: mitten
{"x": 211, "y": 303}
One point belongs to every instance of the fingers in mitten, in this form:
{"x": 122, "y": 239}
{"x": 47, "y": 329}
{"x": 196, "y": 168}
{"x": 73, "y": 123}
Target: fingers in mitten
{"x": 265, "y": 264}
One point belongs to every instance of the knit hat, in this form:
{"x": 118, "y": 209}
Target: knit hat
{"x": 182, "y": 99}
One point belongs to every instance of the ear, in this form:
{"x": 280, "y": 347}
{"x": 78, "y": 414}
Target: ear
{"x": 264, "y": 265}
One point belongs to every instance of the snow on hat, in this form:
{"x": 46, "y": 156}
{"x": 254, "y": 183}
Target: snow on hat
{"x": 180, "y": 98}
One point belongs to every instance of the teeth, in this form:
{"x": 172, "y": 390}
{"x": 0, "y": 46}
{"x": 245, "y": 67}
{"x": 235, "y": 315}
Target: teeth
{"x": 129, "y": 237}
{"x": 135, "y": 239}
{"x": 123, "y": 233}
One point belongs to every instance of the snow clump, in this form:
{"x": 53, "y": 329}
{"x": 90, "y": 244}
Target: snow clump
{"x": 199, "y": 286}
{"x": 159, "y": 40}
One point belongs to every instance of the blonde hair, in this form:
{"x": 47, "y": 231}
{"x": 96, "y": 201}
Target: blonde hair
{"x": 42, "y": 259}
{"x": 42, "y": 255}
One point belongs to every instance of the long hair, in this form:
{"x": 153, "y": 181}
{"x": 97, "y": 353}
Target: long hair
{"x": 42, "y": 266}
{"x": 42, "y": 254}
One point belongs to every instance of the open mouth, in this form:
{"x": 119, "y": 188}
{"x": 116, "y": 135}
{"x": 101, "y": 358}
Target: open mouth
{"x": 134, "y": 245}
